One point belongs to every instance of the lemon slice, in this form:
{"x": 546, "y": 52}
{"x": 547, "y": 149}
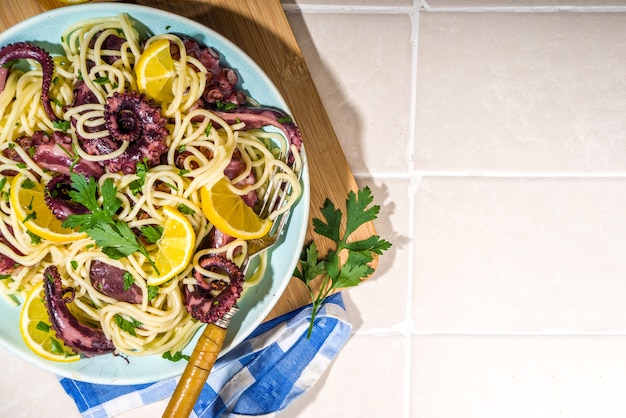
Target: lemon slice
{"x": 175, "y": 247}
{"x": 155, "y": 70}
{"x": 228, "y": 212}
{"x": 27, "y": 200}
{"x": 37, "y": 331}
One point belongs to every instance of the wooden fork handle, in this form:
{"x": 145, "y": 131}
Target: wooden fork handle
{"x": 196, "y": 373}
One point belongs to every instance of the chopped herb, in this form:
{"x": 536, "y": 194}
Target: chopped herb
{"x": 30, "y": 216}
{"x": 181, "y": 148}
{"x": 42, "y": 326}
{"x": 55, "y": 80}
{"x": 55, "y": 346}
{"x": 101, "y": 80}
{"x": 5, "y": 276}
{"x": 56, "y": 102}
{"x": 21, "y": 165}
{"x": 153, "y": 291}
{"x": 28, "y": 184}
{"x": 34, "y": 239}
{"x": 127, "y": 325}
{"x": 172, "y": 186}
{"x": 177, "y": 356}
{"x": 62, "y": 125}
{"x": 11, "y": 145}
{"x": 3, "y": 182}
{"x": 140, "y": 172}
{"x": 128, "y": 280}
{"x": 182, "y": 208}
{"x": 183, "y": 172}
{"x": 284, "y": 119}
{"x": 225, "y": 106}
{"x": 334, "y": 273}
{"x": 30, "y": 204}
{"x": 168, "y": 27}
{"x": 152, "y": 233}
{"x": 207, "y": 130}
{"x": 74, "y": 264}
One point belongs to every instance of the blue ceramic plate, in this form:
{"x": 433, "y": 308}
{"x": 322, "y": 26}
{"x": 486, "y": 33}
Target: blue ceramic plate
{"x": 45, "y": 29}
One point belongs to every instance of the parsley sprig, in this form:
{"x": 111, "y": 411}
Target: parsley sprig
{"x": 358, "y": 255}
{"x": 115, "y": 237}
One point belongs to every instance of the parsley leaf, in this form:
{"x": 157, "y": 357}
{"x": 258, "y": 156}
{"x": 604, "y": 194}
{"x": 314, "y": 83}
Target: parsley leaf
{"x": 137, "y": 185}
{"x": 127, "y": 325}
{"x": 115, "y": 237}
{"x": 152, "y": 233}
{"x": 62, "y": 125}
{"x": 334, "y": 273}
{"x": 153, "y": 291}
{"x": 128, "y": 280}
{"x": 177, "y": 356}
{"x": 182, "y": 208}
{"x": 225, "y": 106}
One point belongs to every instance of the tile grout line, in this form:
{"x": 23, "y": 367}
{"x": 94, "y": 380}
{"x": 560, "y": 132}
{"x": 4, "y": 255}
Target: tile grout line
{"x": 494, "y": 174}
{"x": 522, "y": 9}
{"x": 412, "y": 191}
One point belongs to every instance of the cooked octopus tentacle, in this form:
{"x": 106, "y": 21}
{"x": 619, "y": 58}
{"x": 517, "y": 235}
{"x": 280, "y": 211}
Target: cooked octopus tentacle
{"x": 58, "y": 198}
{"x": 81, "y": 338}
{"x": 24, "y": 50}
{"x": 258, "y": 117}
{"x": 201, "y": 302}
{"x": 109, "y": 280}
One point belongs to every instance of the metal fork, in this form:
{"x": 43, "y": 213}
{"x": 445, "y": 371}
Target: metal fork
{"x": 210, "y": 342}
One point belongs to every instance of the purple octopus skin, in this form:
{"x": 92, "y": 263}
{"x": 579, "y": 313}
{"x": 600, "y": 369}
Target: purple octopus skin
{"x": 58, "y": 200}
{"x": 235, "y": 167}
{"x": 81, "y": 338}
{"x": 258, "y": 117}
{"x": 111, "y": 43}
{"x": 221, "y": 83}
{"x": 109, "y": 280}
{"x": 201, "y": 303}
{"x": 54, "y": 152}
{"x": 130, "y": 117}
{"x": 7, "y": 264}
{"x": 24, "y": 50}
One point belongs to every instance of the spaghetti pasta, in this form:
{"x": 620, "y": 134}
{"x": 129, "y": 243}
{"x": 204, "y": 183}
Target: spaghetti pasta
{"x": 208, "y": 143}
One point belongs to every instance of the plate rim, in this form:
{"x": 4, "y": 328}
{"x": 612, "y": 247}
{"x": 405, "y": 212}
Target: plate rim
{"x": 85, "y": 373}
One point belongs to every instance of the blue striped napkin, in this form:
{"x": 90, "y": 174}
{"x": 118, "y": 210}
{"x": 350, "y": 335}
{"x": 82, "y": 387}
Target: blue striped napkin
{"x": 259, "y": 377}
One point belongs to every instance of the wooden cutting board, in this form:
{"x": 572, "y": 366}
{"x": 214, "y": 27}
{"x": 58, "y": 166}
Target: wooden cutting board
{"x": 261, "y": 29}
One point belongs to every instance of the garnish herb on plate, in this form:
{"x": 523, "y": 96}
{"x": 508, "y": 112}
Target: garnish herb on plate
{"x": 177, "y": 356}
{"x": 335, "y": 273}
{"x": 115, "y": 237}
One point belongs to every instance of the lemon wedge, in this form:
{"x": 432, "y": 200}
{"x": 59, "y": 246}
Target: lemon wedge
{"x": 175, "y": 247}
{"x": 27, "y": 200}
{"x": 37, "y": 331}
{"x": 228, "y": 212}
{"x": 155, "y": 70}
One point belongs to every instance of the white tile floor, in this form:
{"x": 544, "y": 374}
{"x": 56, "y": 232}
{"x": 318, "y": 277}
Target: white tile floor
{"x": 493, "y": 135}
